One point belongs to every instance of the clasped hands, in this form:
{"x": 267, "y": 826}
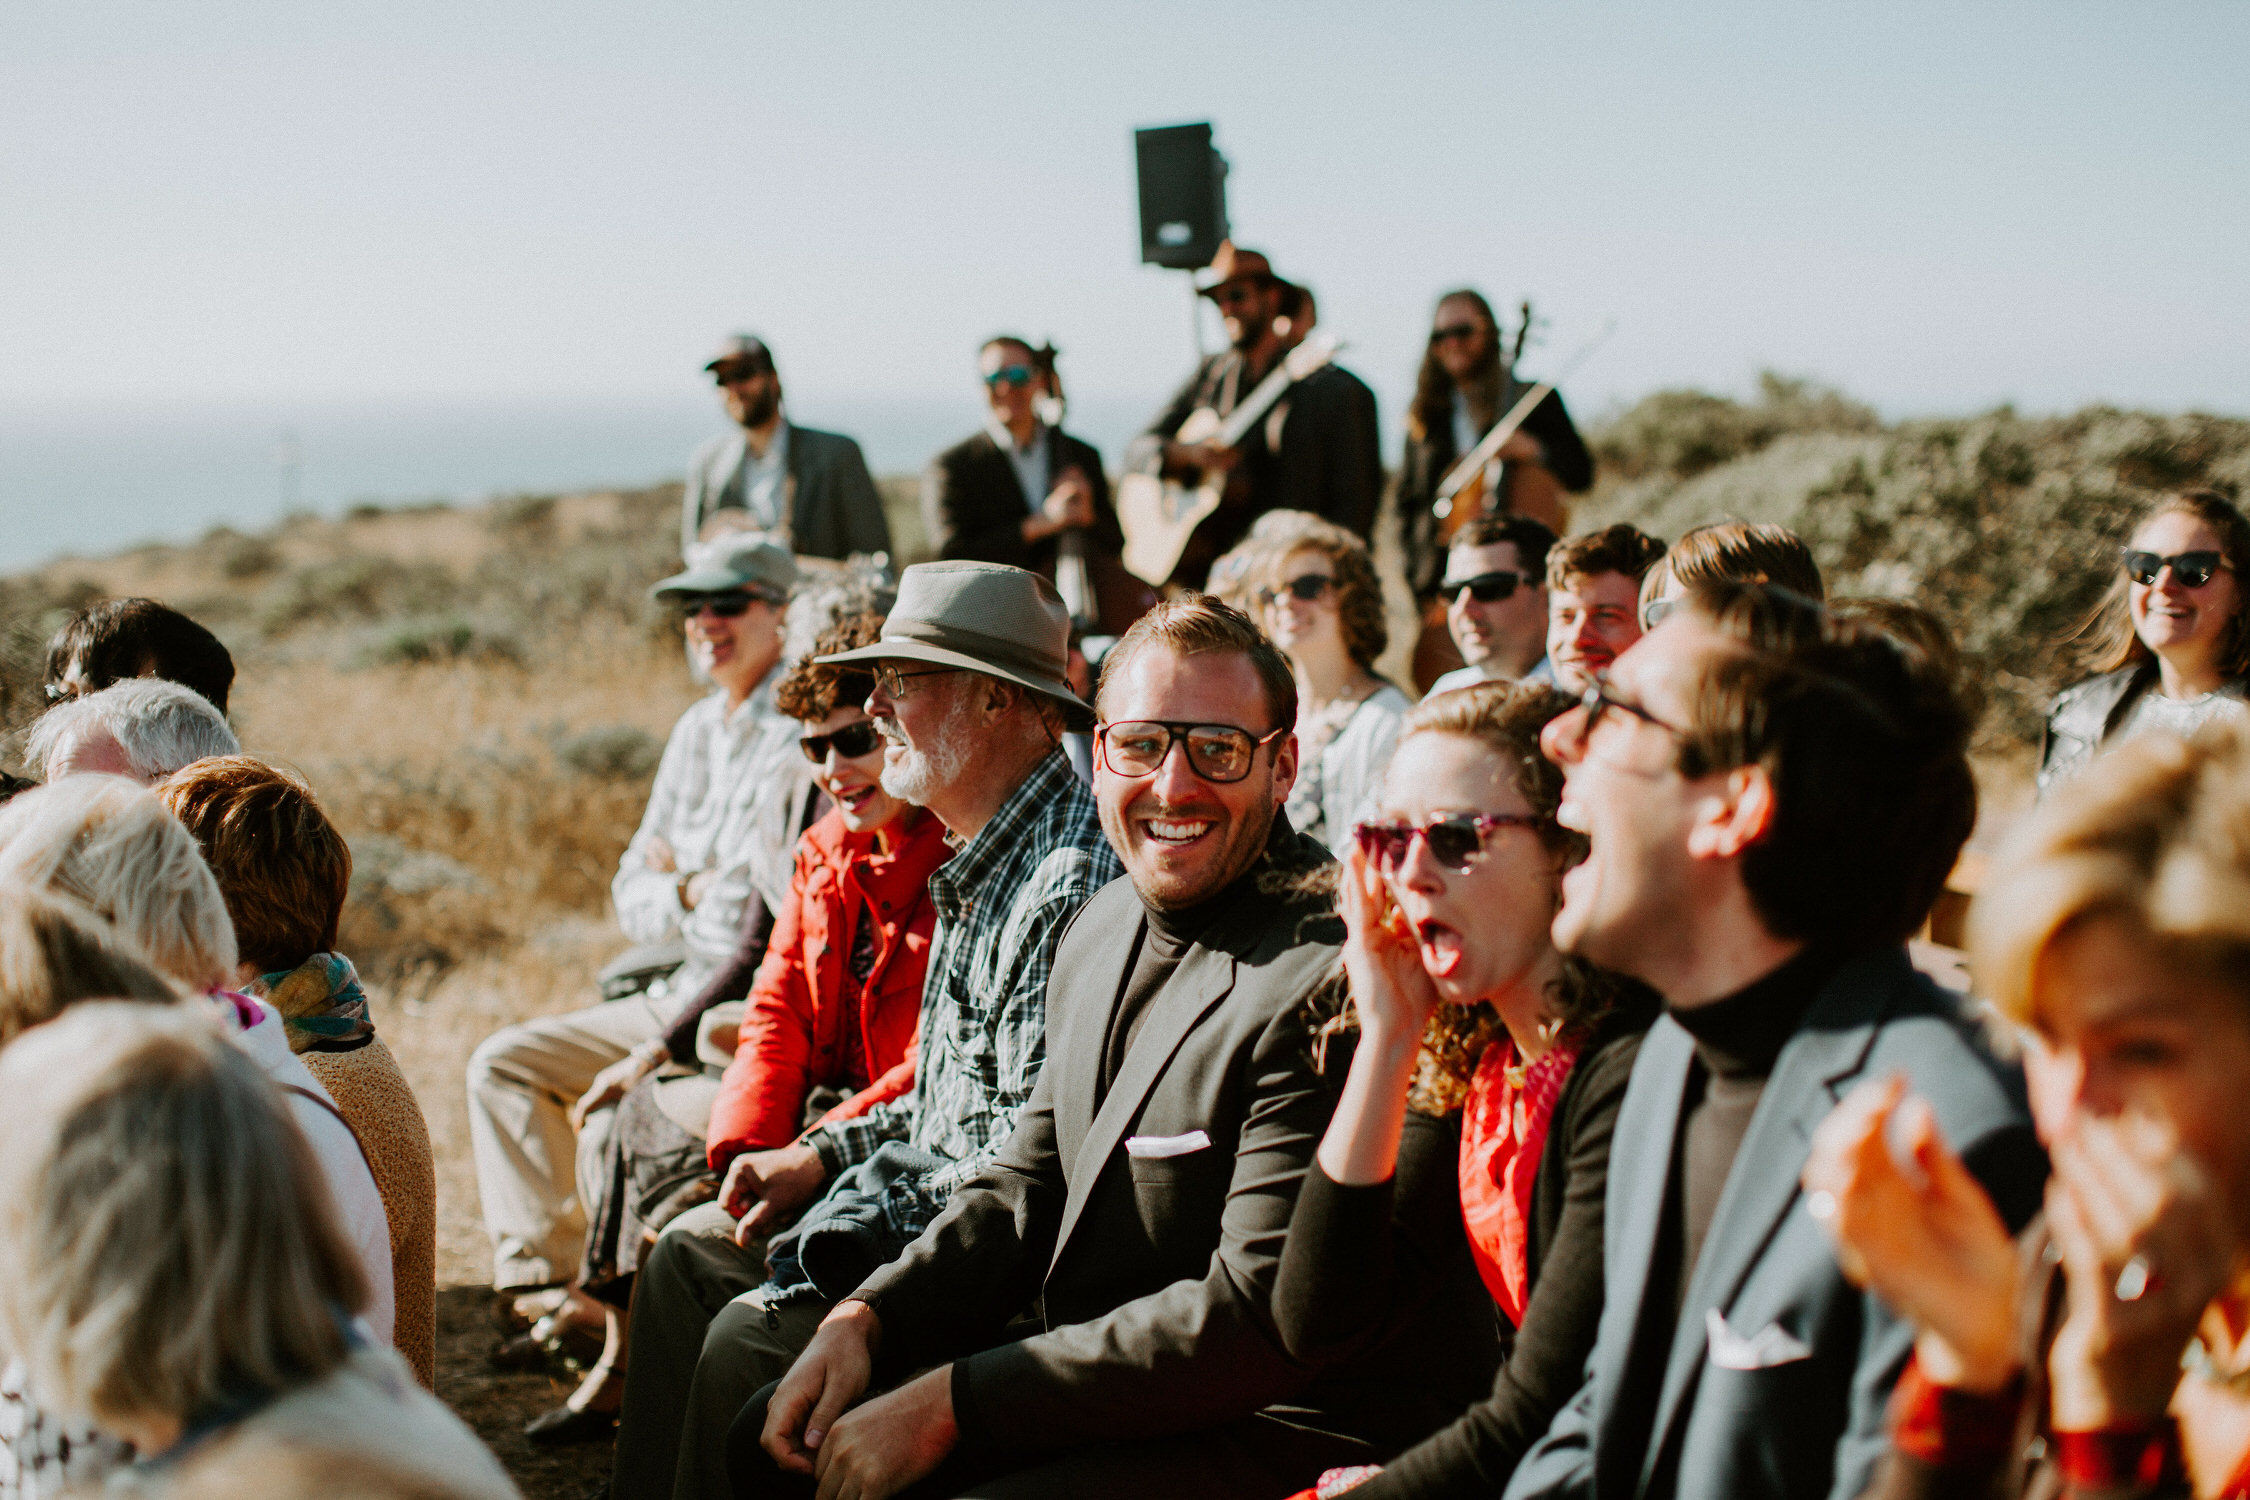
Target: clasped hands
{"x": 2138, "y": 1223}
{"x": 764, "y": 1189}
{"x": 1069, "y": 506}
{"x": 872, "y": 1450}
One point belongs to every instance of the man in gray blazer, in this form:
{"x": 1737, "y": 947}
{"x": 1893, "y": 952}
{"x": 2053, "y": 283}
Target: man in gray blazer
{"x": 1774, "y": 799}
{"x": 811, "y": 487}
{"x": 1142, "y": 1202}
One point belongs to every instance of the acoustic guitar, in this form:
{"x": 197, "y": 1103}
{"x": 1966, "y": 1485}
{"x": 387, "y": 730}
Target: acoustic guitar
{"x": 1158, "y": 514}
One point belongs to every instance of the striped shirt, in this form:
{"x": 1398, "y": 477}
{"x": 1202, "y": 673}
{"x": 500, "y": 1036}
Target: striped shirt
{"x": 1002, "y": 902}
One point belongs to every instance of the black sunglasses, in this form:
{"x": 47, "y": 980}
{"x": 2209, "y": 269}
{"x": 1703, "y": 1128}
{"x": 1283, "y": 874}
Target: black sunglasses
{"x": 1485, "y": 588}
{"x": 727, "y": 606}
{"x": 850, "y": 742}
{"x": 1452, "y": 331}
{"x": 1304, "y": 588}
{"x": 1216, "y": 752}
{"x": 1011, "y": 375}
{"x": 1456, "y": 840}
{"x": 737, "y": 374}
{"x": 2190, "y": 570}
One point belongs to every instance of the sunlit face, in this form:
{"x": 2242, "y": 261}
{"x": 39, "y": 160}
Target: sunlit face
{"x": 2119, "y": 1032}
{"x": 1460, "y": 337}
{"x": 854, "y": 782}
{"x": 1301, "y": 625}
{"x": 1639, "y": 886}
{"x": 1483, "y": 930}
{"x": 1247, "y": 305}
{"x": 1508, "y": 632}
{"x": 929, "y": 733}
{"x": 1012, "y": 385}
{"x": 2168, "y": 617}
{"x": 751, "y": 396}
{"x": 735, "y": 651}
{"x": 1589, "y": 621}
{"x": 1183, "y": 837}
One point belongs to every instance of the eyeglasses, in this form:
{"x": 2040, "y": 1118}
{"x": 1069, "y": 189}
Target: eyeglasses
{"x": 1485, "y": 588}
{"x": 1452, "y": 331}
{"x": 1598, "y": 700}
{"x": 850, "y": 742}
{"x": 893, "y": 682}
{"x": 1216, "y": 752}
{"x": 727, "y": 606}
{"x": 1015, "y": 375}
{"x": 1304, "y": 588}
{"x": 2190, "y": 570}
{"x": 1456, "y": 840}
{"x": 59, "y": 691}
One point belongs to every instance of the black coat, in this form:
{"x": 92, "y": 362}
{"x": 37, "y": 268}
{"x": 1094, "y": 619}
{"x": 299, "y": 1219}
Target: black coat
{"x": 1358, "y": 1255}
{"x": 1429, "y": 456}
{"x": 1153, "y": 1273}
{"x": 973, "y": 506}
{"x": 1329, "y": 460}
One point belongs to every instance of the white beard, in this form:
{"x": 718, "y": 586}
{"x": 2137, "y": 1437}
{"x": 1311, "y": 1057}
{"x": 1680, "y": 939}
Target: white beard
{"x": 912, "y": 774}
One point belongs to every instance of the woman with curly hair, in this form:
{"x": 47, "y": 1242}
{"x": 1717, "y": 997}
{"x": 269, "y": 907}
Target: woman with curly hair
{"x": 1323, "y": 605}
{"x": 2170, "y": 641}
{"x": 1483, "y": 1090}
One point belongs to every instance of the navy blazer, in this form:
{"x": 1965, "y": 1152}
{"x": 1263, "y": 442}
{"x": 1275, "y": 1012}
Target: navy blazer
{"x": 1776, "y": 1373}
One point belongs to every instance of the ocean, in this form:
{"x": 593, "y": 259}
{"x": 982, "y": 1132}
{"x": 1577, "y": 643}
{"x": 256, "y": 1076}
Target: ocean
{"x": 85, "y": 480}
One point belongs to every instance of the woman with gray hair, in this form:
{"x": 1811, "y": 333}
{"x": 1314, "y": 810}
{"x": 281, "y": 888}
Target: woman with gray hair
{"x": 177, "y": 1273}
{"x": 145, "y": 728}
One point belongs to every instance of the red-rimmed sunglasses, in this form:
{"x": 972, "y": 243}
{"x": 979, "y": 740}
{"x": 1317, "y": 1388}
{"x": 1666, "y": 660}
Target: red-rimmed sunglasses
{"x": 1456, "y": 840}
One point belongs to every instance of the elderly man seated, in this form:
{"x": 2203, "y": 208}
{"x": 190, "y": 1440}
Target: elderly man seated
{"x": 144, "y": 728}
{"x": 721, "y": 822}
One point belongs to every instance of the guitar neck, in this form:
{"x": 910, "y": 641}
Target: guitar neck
{"x": 1262, "y": 397}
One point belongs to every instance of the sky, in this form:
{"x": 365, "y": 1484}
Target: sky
{"x": 1936, "y": 207}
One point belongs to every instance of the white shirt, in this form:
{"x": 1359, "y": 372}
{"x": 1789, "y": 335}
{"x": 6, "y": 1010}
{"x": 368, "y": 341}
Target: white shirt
{"x": 1029, "y": 462}
{"x": 726, "y": 798}
{"x": 1483, "y": 671}
{"x": 765, "y": 480}
{"x": 1336, "y": 780}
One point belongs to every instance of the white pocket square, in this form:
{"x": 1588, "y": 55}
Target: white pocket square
{"x": 1769, "y": 1346}
{"x": 1148, "y": 1146}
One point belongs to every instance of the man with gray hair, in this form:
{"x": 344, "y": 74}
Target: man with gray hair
{"x": 972, "y": 700}
{"x": 144, "y": 728}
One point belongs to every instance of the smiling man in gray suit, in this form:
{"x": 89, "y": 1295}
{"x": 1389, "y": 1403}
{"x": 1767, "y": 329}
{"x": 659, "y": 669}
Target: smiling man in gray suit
{"x": 809, "y": 486}
{"x": 1773, "y": 798}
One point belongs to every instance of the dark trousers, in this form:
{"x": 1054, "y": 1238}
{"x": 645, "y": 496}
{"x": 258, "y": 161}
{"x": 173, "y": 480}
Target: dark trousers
{"x": 1256, "y": 1458}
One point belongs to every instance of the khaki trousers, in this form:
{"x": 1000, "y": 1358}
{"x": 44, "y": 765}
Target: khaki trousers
{"x": 522, "y": 1081}
{"x": 704, "y": 1344}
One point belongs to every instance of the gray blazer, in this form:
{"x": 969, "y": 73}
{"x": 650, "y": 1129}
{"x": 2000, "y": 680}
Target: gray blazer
{"x": 834, "y": 510}
{"x": 1775, "y": 1376}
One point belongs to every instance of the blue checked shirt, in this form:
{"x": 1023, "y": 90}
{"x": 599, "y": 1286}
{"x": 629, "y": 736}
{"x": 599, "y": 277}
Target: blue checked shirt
{"x": 1002, "y": 903}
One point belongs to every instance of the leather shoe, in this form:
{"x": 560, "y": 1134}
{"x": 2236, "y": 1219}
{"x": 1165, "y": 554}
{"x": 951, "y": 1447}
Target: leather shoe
{"x": 566, "y": 1424}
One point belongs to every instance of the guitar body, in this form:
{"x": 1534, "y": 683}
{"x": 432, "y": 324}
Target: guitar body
{"x": 1158, "y": 515}
{"x": 1524, "y": 489}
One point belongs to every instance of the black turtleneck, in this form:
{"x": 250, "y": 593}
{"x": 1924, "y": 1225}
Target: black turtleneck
{"x": 1166, "y": 936}
{"x": 1737, "y": 1039}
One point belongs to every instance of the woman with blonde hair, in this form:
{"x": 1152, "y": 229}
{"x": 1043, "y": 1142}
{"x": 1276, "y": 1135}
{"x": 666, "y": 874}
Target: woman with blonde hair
{"x": 284, "y": 871}
{"x": 2170, "y": 642}
{"x": 109, "y": 845}
{"x": 2107, "y": 1349}
{"x": 1323, "y": 605}
{"x": 177, "y": 1275}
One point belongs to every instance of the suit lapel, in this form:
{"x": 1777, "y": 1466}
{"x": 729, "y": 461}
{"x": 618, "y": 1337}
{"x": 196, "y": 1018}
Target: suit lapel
{"x": 1812, "y": 1073}
{"x": 1078, "y": 1027}
{"x": 1203, "y": 979}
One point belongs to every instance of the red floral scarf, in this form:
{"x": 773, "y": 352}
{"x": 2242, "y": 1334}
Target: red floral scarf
{"x": 1503, "y": 1133}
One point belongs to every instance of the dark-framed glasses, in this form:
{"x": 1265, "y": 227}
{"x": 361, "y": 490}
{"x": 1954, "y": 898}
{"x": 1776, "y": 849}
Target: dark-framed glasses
{"x": 893, "y": 682}
{"x": 850, "y": 742}
{"x": 1486, "y": 588}
{"x": 1598, "y": 700}
{"x": 1455, "y": 840}
{"x": 2190, "y": 570}
{"x": 1216, "y": 752}
{"x": 1305, "y": 588}
{"x": 1012, "y": 375}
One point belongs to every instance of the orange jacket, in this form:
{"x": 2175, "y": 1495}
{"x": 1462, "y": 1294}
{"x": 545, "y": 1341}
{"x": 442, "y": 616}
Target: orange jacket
{"x": 793, "y": 1038}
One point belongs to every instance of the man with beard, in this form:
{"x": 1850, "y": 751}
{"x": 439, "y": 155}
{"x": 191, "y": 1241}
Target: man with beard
{"x": 971, "y": 698}
{"x": 771, "y": 475}
{"x": 1140, "y": 1207}
{"x": 1319, "y": 450}
{"x": 1773, "y": 798}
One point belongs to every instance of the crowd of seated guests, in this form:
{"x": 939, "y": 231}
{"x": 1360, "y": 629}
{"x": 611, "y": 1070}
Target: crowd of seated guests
{"x": 1528, "y": 1092}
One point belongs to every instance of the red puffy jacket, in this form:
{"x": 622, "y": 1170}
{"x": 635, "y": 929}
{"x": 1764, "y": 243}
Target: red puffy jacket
{"x": 792, "y": 1037}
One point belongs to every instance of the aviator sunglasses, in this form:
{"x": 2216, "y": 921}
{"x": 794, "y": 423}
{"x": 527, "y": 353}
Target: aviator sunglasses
{"x": 1456, "y": 840}
{"x": 2190, "y": 570}
{"x": 850, "y": 742}
{"x": 1485, "y": 588}
{"x": 1011, "y": 375}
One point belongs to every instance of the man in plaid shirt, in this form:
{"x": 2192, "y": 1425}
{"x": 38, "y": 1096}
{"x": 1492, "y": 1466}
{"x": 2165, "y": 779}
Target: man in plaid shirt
{"x": 971, "y": 698}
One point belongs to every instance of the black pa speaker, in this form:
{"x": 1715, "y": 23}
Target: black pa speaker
{"x": 1183, "y": 195}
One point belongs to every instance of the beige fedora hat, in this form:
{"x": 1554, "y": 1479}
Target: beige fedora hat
{"x": 981, "y": 617}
